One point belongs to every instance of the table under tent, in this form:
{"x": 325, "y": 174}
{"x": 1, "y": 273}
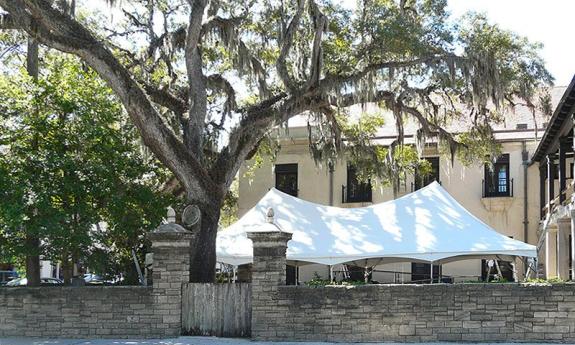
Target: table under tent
{"x": 427, "y": 227}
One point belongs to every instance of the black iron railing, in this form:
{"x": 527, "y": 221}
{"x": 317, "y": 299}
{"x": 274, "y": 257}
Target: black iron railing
{"x": 359, "y": 193}
{"x": 494, "y": 189}
{"x": 417, "y": 186}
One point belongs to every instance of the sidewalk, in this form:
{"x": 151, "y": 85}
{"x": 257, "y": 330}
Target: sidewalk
{"x": 176, "y": 341}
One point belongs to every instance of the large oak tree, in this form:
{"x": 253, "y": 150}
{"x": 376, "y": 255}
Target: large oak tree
{"x": 206, "y": 81}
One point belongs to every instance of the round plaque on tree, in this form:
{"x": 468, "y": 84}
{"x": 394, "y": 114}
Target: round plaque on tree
{"x": 191, "y": 216}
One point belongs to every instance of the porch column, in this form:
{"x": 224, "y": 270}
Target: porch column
{"x": 563, "y": 230}
{"x": 171, "y": 245}
{"x": 551, "y": 252}
{"x": 550, "y": 182}
{"x": 573, "y": 245}
{"x": 268, "y": 273}
{"x": 563, "y": 147}
{"x": 542, "y": 178}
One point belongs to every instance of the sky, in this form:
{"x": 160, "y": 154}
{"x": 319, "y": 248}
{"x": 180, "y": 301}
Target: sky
{"x": 547, "y": 22}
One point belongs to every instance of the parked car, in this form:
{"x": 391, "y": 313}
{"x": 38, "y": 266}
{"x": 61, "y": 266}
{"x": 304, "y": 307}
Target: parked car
{"x": 93, "y": 279}
{"x": 7, "y": 276}
{"x": 43, "y": 281}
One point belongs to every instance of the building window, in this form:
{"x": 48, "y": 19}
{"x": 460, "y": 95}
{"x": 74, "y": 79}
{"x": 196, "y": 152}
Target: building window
{"x": 355, "y": 191}
{"x": 286, "y": 178}
{"x": 423, "y": 180}
{"x": 497, "y": 182}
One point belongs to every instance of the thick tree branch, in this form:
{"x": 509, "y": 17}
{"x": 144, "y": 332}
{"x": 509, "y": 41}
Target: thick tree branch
{"x": 286, "y": 44}
{"x": 196, "y": 81}
{"x": 332, "y": 81}
{"x": 353, "y": 98}
{"x": 320, "y": 25}
{"x": 59, "y": 31}
{"x": 166, "y": 99}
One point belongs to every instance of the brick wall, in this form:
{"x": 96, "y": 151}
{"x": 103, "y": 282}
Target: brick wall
{"x": 410, "y": 313}
{"x": 79, "y": 312}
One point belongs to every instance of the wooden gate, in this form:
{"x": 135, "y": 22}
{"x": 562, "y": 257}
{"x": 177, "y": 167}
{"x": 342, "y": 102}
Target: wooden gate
{"x": 223, "y": 310}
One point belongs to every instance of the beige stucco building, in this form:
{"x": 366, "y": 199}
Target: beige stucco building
{"x": 509, "y": 202}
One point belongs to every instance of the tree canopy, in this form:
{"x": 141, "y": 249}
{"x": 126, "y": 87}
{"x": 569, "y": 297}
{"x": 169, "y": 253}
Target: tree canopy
{"x": 206, "y": 81}
{"x": 72, "y": 173}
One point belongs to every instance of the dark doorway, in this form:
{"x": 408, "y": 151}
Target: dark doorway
{"x": 286, "y": 178}
{"x": 420, "y": 272}
{"x": 291, "y": 275}
{"x": 423, "y": 180}
{"x": 357, "y": 191}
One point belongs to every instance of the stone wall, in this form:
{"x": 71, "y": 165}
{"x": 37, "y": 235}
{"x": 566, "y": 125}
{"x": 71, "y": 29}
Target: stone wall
{"x": 107, "y": 311}
{"x": 79, "y": 312}
{"x": 411, "y": 313}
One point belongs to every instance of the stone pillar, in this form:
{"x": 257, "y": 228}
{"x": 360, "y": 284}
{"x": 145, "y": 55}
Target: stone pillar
{"x": 551, "y": 252}
{"x": 171, "y": 245}
{"x": 268, "y": 273}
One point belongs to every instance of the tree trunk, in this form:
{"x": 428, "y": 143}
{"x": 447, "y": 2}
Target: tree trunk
{"x": 32, "y": 241}
{"x": 67, "y": 270}
{"x": 33, "y": 261}
{"x": 203, "y": 256}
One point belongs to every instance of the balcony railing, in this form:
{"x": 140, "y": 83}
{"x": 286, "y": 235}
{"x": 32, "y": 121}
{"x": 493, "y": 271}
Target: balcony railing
{"x": 567, "y": 195}
{"x": 493, "y": 190}
{"x": 361, "y": 193}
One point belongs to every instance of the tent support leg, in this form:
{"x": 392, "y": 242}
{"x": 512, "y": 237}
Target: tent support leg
{"x": 431, "y": 273}
{"x": 498, "y": 270}
{"x": 330, "y": 273}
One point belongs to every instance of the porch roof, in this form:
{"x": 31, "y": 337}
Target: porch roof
{"x": 562, "y": 112}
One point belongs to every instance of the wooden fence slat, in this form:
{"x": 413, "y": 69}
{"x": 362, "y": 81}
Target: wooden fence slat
{"x": 222, "y": 310}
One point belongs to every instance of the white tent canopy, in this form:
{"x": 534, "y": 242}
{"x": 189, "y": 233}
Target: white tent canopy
{"x": 425, "y": 226}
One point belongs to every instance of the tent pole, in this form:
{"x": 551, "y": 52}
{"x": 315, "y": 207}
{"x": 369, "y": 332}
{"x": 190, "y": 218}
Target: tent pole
{"x": 235, "y": 273}
{"x": 431, "y": 274}
{"x": 330, "y": 273}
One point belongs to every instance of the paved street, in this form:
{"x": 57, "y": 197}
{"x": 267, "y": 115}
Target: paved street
{"x": 178, "y": 341}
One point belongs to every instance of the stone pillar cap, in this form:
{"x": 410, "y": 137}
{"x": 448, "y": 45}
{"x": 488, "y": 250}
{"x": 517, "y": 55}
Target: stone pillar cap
{"x": 170, "y": 228}
{"x": 268, "y": 227}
